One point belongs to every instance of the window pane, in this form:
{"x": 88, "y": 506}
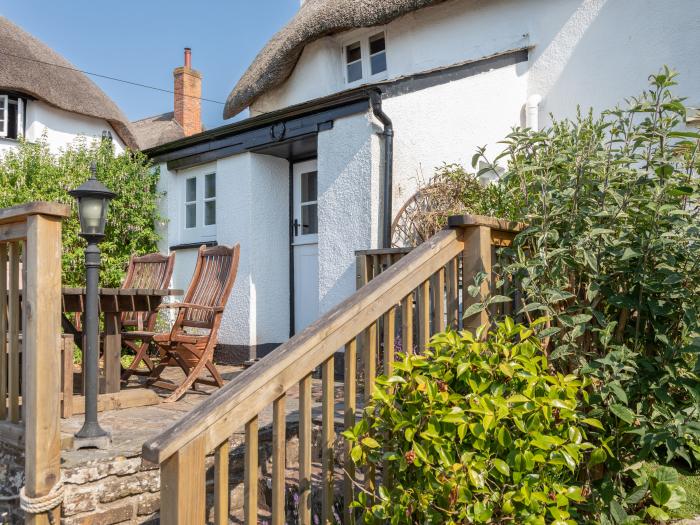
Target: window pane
{"x": 378, "y": 63}
{"x": 190, "y": 215}
{"x": 209, "y": 213}
{"x": 376, "y": 44}
{"x": 210, "y": 186}
{"x": 354, "y": 71}
{"x": 309, "y": 190}
{"x": 309, "y": 219}
{"x": 353, "y": 53}
{"x": 191, "y": 190}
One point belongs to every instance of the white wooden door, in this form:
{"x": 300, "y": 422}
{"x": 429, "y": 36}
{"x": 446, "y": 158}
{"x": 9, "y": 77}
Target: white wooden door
{"x": 305, "y": 243}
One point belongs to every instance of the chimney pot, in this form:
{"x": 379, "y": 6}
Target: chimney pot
{"x": 188, "y": 58}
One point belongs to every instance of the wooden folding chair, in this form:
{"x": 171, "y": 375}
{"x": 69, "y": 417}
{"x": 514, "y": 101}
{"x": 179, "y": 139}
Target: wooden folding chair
{"x": 152, "y": 271}
{"x": 191, "y": 342}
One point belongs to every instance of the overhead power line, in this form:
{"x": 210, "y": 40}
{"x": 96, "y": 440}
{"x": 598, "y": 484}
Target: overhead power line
{"x": 107, "y": 77}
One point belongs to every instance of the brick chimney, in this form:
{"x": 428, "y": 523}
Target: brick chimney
{"x": 188, "y": 90}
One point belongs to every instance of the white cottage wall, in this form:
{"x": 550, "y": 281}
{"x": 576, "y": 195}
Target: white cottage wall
{"x": 588, "y": 52}
{"x": 348, "y": 203}
{"x": 62, "y": 128}
{"x": 252, "y": 209}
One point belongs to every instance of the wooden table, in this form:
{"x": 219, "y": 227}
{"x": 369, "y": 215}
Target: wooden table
{"x": 112, "y": 303}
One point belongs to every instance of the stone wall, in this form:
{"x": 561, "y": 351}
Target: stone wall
{"x": 11, "y": 480}
{"x": 126, "y": 490}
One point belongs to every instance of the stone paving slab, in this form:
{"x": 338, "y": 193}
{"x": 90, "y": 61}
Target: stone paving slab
{"x": 131, "y": 427}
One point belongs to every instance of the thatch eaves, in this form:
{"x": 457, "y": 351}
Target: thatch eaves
{"x": 25, "y": 66}
{"x": 314, "y": 20}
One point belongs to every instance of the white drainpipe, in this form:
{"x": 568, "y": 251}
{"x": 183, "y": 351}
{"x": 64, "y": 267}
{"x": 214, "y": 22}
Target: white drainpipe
{"x": 532, "y": 110}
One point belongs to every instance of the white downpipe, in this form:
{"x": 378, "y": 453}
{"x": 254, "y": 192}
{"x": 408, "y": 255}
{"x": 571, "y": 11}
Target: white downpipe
{"x": 532, "y": 112}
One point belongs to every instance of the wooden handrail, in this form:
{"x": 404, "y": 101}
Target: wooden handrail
{"x": 22, "y": 211}
{"x": 258, "y": 386}
{"x": 404, "y": 298}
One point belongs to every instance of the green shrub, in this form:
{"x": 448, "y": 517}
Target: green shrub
{"x": 611, "y": 257}
{"x": 32, "y": 172}
{"x": 477, "y": 432}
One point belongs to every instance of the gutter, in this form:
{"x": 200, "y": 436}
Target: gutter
{"x": 387, "y": 182}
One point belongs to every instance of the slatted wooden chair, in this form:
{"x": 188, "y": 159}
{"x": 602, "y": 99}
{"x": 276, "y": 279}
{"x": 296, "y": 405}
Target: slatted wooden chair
{"x": 152, "y": 271}
{"x": 191, "y": 342}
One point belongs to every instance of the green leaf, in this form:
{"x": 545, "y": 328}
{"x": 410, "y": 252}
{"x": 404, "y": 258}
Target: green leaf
{"x": 598, "y": 456}
{"x": 501, "y": 466}
{"x": 420, "y": 452}
{"x": 370, "y": 442}
{"x": 657, "y": 514}
{"x": 624, "y": 413}
{"x": 628, "y": 254}
{"x": 496, "y": 299}
{"x": 593, "y": 423}
{"x": 661, "y": 493}
{"x": 356, "y": 453}
{"x": 474, "y": 309}
{"x": 617, "y": 513}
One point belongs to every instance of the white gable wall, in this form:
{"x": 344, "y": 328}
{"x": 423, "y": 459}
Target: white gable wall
{"x": 62, "y": 128}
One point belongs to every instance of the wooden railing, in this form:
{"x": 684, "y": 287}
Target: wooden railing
{"x": 402, "y": 291}
{"x": 30, "y": 342}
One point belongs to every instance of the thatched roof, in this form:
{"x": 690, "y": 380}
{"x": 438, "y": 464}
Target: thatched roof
{"x": 156, "y": 130}
{"x": 63, "y": 88}
{"x": 314, "y": 20}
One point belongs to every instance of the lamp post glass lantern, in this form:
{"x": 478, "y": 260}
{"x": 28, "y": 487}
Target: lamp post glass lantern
{"x": 93, "y": 201}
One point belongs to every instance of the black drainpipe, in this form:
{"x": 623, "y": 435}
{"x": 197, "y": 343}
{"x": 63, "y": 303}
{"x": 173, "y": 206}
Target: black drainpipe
{"x": 388, "y": 133}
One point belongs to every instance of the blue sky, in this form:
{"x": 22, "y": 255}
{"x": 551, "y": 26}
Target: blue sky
{"x": 143, "y": 41}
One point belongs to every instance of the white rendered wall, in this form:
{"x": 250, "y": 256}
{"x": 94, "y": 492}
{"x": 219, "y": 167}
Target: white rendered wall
{"x": 348, "y": 203}
{"x": 589, "y": 52}
{"x": 252, "y": 209}
{"x": 62, "y": 128}
{"x": 482, "y": 109}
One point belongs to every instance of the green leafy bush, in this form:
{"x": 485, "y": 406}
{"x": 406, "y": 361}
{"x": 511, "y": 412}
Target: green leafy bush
{"x": 477, "y": 432}
{"x": 612, "y": 258}
{"x": 32, "y": 172}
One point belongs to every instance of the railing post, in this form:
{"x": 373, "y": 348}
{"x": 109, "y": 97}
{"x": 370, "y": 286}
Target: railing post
{"x": 42, "y": 350}
{"x": 477, "y": 258}
{"x": 183, "y": 484}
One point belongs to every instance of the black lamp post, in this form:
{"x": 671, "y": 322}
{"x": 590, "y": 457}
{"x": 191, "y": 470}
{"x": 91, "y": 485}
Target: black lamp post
{"x": 93, "y": 200}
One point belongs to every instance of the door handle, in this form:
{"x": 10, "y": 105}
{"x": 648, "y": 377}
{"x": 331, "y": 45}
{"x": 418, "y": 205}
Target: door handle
{"x": 296, "y": 227}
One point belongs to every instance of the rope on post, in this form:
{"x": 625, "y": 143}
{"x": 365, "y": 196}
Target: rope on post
{"x": 41, "y": 504}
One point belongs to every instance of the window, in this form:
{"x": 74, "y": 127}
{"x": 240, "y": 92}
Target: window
{"x": 377, "y": 54}
{"x": 11, "y": 116}
{"x": 365, "y": 58}
{"x": 209, "y": 199}
{"x": 199, "y": 207}
{"x": 191, "y": 202}
{"x": 3, "y": 115}
{"x": 353, "y": 57}
{"x": 309, "y": 203}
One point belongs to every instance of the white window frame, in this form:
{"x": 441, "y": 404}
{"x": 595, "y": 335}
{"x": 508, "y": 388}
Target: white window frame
{"x": 363, "y": 37}
{"x": 200, "y": 232}
{"x": 4, "y": 101}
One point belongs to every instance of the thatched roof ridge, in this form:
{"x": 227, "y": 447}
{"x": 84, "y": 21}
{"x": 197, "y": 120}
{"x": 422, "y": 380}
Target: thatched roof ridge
{"x": 24, "y": 68}
{"x": 314, "y": 20}
{"x": 156, "y": 130}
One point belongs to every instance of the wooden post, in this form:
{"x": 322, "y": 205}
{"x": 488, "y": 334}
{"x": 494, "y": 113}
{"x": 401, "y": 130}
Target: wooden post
{"x": 278, "y": 460}
{"x": 67, "y": 346}
{"x": 350, "y": 397}
{"x": 250, "y": 483}
{"x": 42, "y": 350}
{"x": 389, "y": 333}
{"x": 477, "y": 258}
{"x": 407, "y": 324}
{"x": 183, "y": 486}
{"x": 3, "y": 331}
{"x": 112, "y": 352}
{"x": 305, "y": 438}
{"x": 327, "y": 437}
{"x": 221, "y": 494}
{"x": 423, "y": 316}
